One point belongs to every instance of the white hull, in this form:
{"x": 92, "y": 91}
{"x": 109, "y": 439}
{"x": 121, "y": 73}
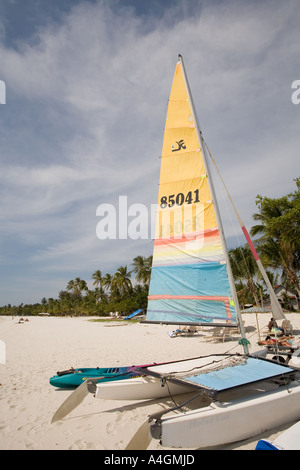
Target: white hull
{"x": 140, "y": 388}
{"x": 149, "y": 388}
{"x": 289, "y": 439}
{"x": 223, "y": 423}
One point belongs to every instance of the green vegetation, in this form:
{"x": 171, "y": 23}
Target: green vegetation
{"x": 277, "y": 234}
{"x": 111, "y": 293}
{"x": 278, "y": 244}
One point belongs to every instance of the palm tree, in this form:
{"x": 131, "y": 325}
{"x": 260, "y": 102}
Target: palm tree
{"x": 279, "y": 228}
{"x": 65, "y": 302}
{"x": 244, "y": 268}
{"x": 122, "y": 281}
{"x": 77, "y": 286}
{"x": 97, "y": 276}
{"x": 142, "y": 268}
{"x": 278, "y": 255}
{"x": 107, "y": 281}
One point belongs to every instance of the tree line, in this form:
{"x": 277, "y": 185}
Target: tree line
{"x": 110, "y": 293}
{"x": 277, "y": 240}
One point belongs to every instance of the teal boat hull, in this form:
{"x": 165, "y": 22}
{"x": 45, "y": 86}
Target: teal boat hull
{"x": 72, "y": 378}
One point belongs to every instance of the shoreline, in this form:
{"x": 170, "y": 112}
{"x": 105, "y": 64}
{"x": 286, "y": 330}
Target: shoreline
{"x": 38, "y": 348}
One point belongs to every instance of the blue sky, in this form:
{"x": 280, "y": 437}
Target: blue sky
{"x": 87, "y": 85}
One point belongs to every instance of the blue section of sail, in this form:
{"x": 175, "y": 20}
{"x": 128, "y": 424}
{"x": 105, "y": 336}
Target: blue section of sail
{"x": 187, "y": 310}
{"x": 190, "y": 279}
{"x": 190, "y": 293}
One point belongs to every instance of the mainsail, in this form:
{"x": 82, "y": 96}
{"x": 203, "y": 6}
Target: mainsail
{"x": 191, "y": 280}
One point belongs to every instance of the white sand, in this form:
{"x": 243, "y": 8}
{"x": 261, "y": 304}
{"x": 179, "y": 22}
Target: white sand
{"x": 37, "y": 349}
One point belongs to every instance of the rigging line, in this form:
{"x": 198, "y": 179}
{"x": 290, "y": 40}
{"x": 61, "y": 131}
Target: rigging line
{"x": 233, "y": 226}
{"x": 229, "y": 213}
{"x": 171, "y": 396}
{"x": 232, "y": 221}
{"x": 276, "y": 308}
{"x": 198, "y": 367}
{"x": 157, "y": 416}
{"x": 217, "y": 169}
{"x": 233, "y": 347}
{"x": 249, "y": 337}
{"x": 180, "y": 406}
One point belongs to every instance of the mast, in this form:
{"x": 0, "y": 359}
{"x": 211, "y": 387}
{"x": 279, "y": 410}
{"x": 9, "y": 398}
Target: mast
{"x": 215, "y": 204}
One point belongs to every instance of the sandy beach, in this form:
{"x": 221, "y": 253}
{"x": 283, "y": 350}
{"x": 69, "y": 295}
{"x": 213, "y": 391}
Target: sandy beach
{"x": 38, "y": 348}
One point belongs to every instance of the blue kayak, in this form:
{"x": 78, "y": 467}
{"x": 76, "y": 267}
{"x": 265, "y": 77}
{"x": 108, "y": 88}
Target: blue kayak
{"x": 72, "y": 378}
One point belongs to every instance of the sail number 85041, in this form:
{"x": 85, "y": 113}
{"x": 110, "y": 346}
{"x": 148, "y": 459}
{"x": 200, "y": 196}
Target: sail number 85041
{"x": 179, "y": 199}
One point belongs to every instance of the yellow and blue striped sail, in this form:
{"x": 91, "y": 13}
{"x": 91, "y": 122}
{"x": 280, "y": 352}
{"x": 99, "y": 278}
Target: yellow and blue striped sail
{"x": 189, "y": 279}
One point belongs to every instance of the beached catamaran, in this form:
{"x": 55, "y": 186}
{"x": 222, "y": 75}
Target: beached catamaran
{"x": 192, "y": 284}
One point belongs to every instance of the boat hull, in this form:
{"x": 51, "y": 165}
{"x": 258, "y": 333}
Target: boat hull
{"x": 288, "y": 440}
{"x": 152, "y": 383}
{"x": 140, "y": 388}
{"x": 77, "y": 376}
{"x": 149, "y": 387}
{"x": 224, "y": 423}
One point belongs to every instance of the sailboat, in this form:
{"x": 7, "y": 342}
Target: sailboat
{"x": 237, "y": 395}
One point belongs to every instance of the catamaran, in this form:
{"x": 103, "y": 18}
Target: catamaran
{"x": 236, "y": 395}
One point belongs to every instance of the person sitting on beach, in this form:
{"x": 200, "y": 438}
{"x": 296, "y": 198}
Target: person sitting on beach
{"x": 272, "y": 324}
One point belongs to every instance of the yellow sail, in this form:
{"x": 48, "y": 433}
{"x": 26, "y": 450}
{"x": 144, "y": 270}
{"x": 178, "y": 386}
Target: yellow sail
{"x": 189, "y": 281}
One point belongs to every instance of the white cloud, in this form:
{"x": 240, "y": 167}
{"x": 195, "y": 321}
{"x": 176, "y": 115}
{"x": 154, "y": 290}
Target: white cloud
{"x": 86, "y": 106}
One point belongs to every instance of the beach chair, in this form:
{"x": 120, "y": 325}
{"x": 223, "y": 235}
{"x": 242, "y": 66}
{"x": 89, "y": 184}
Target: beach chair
{"x": 230, "y": 333}
{"x": 190, "y": 330}
{"x": 217, "y": 335}
{"x": 185, "y": 331}
{"x": 287, "y": 327}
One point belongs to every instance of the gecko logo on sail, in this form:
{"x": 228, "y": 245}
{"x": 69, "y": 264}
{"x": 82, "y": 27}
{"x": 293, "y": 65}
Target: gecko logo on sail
{"x": 180, "y": 145}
